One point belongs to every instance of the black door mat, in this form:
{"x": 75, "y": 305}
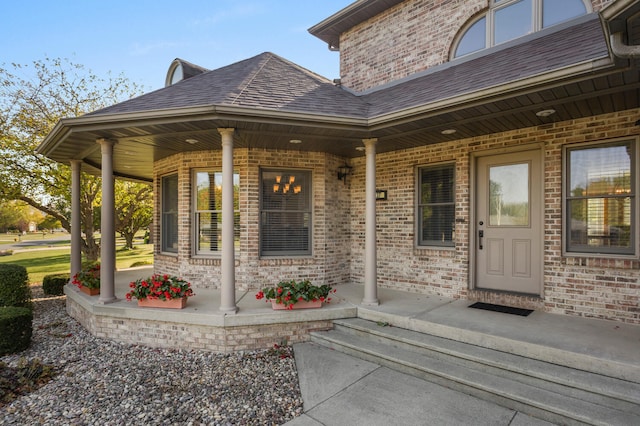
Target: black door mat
{"x": 499, "y": 308}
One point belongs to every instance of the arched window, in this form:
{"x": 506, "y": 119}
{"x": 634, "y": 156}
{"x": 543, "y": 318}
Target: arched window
{"x": 509, "y": 19}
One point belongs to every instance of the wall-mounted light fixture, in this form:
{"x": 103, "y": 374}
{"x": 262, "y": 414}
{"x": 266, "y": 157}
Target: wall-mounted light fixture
{"x": 343, "y": 172}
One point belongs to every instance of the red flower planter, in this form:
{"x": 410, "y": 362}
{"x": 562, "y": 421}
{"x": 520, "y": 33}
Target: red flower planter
{"x": 298, "y": 305}
{"x": 90, "y": 291}
{"x": 158, "y": 303}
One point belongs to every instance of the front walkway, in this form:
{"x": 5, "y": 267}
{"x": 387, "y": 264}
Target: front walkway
{"x": 587, "y": 344}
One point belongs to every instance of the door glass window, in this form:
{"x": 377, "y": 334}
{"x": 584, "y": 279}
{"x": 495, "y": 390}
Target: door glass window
{"x": 509, "y": 195}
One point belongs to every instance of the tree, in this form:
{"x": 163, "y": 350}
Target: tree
{"x": 134, "y": 209}
{"x": 32, "y": 100}
{"x": 49, "y": 222}
{"x": 12, "y": 213}
{"x": 17, "y": 215}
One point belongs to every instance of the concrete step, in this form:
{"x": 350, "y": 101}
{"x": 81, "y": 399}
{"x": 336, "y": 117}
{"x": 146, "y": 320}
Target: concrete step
{"x": 551, "y": 392}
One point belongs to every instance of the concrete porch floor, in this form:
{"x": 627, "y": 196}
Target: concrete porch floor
{"x": 588, "y": 344}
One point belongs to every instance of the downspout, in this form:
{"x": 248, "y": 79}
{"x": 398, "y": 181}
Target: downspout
{"x": 622, "y": 50}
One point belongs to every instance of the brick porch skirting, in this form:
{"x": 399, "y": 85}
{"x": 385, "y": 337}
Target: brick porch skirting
{"x": 185, "y": 329}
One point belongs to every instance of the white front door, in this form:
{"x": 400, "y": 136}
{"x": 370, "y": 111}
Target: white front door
{"x": 508, "y": 228}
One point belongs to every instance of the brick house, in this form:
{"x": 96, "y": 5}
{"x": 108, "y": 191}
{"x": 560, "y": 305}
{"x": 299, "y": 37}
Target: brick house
{"x": 484, "y": 150}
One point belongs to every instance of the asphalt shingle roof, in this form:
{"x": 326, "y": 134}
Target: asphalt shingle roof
{"x": 264, "y": 81}
{"x": 268, "y": 81}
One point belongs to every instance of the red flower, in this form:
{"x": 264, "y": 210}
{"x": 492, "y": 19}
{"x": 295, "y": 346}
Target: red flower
{"x": 260, "y": 295}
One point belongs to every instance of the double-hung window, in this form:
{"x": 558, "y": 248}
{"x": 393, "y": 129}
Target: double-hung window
{"x": 169, "y": 213}
{"x": 285, "y": 212}
{"x": 208, "y": 211}
{"x": 600, "y": 193}
{"x": 436, "y": 205}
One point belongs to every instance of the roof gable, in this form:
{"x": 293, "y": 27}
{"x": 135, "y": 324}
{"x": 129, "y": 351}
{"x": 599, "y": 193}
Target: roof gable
{"x": 263, "y": 81}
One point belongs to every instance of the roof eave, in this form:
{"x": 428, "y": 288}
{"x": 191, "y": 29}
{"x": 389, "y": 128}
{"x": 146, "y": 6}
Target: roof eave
{"x": 573, "y": 72}
{"x": 67, "y": 126}
{"x": 329, "y": 30}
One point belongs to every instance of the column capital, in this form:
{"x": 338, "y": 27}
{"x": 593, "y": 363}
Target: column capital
{"x": 105, "y": 141}
{"x": 106, "y": 145}
{"x": 226, "y": 131}
{"x": 369, "y": 142}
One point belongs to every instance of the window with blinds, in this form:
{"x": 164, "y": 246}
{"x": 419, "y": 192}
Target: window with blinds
{"x": 169, "y": 213}
{"x": 600, "y": 198}
{"x": 285, "y": 212}
{"x": 208, "y": 211}
{"x": 436, "y": 206}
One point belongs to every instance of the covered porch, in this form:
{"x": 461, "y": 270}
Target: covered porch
{"x": 599, "y": 346}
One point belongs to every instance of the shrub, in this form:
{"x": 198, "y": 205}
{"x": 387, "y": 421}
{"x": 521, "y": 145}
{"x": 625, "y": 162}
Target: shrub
{"x": 14, "y": 286}
{"x": 20, "y": 380}
{"x": 15, "y": 329}
{"x": 54, "y": 284}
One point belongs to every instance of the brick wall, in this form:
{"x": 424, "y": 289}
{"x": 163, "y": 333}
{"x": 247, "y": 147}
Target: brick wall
{"x": 161, "y": 334}
{"x": 330, "y": 233}
{"x": 583, "y": 286}
{"x": 411, "y": 37}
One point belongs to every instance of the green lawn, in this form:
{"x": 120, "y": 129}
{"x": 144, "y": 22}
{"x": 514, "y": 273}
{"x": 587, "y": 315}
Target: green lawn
{"x": 46, "y": 262}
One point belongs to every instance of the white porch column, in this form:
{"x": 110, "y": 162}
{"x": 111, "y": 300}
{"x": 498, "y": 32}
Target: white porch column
{"x": 228, "y": 277}
{"x": 107, "y": 225}
{"x": 76, "y": 225}
{"x": 370, "y": 257}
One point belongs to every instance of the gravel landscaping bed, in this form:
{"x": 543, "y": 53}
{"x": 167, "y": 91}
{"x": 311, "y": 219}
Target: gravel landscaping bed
{"x": 102, "y": 382}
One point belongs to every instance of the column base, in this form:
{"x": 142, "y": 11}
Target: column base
{"x": 107, "y": 300}
{"x": 373, "y": 302}
{"x": 232, "y": 310}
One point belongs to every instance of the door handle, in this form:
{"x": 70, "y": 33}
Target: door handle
{"x": 480, "y": 235}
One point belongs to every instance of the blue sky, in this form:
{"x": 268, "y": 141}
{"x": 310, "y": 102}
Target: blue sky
{"x": 140, "y": 38}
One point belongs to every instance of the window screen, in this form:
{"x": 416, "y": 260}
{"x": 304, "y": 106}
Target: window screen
{"x": 208, "y": 211}
{"x": 285, "y": 212}
{"x": 436, "y": 207}
{"x": 169, "y": 217}
{"x": 601, "y": 198}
